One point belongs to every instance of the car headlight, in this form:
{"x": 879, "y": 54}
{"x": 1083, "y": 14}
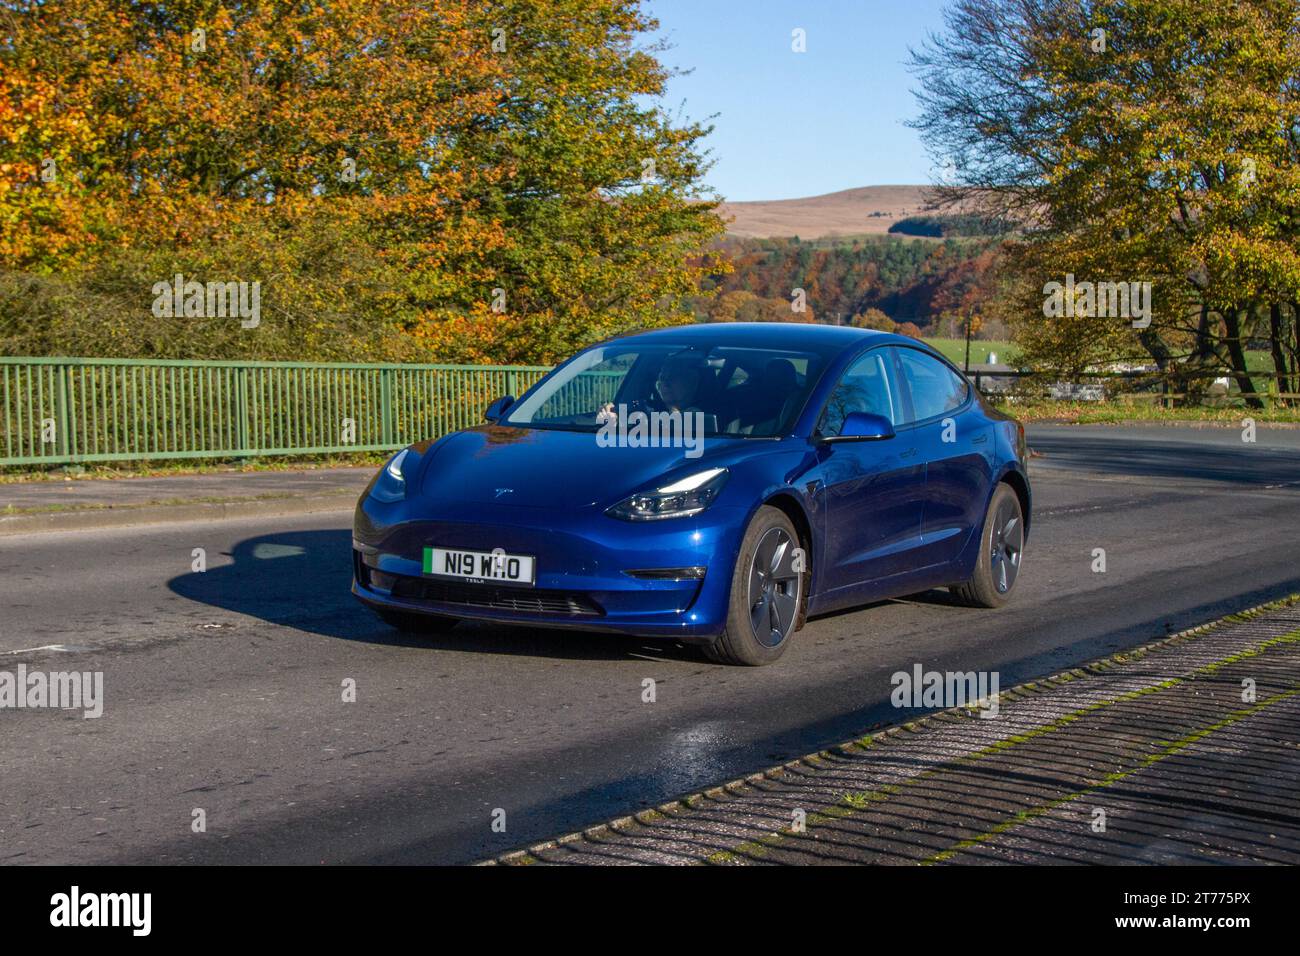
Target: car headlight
{"x": 689, "y": 496}
{"x": 391, "y": 483}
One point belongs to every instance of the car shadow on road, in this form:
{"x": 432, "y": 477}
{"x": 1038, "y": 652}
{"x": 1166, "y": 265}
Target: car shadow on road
{"x": 301, "y": 580}
{"x": 935, "y": 597}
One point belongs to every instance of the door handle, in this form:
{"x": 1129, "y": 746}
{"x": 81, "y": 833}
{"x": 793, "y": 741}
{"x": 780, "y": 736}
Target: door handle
{"x": 979, "y": 439}
{"x": 910, "y": 453}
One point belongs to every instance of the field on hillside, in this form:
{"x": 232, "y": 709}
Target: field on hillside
{"x": 954, "y": 350}
{"x": 868, "y": 210}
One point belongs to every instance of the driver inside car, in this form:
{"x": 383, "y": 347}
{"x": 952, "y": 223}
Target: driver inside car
{"x": 676, "y": 389}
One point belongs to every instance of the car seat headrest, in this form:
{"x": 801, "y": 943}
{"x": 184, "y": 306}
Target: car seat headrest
{"x": 780, "y": 375}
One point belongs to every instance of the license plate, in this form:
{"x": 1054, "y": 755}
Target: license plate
{"x": 480, "y": 566}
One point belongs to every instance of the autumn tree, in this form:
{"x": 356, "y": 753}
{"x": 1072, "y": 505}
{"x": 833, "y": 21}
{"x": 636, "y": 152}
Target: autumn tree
{"x": 873, "y": 319}
{"x": 448, "y": 179}
{"x": 742, "y": 306}
{"x": 1140, "y": 142}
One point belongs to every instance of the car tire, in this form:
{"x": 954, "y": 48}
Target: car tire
{"x": 410, "y": 623}
{"x": 1002, "y": 545}
{"x": 759, "y": 630}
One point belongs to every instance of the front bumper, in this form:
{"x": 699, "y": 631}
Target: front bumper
{"x": 583, "y": 557}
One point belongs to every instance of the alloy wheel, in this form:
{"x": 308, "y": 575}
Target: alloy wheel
{"x": 774, "y": 588}
{"x": 1006, "y": 544}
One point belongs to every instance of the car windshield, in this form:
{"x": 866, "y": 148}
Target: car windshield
{"x": 743, "y": 392}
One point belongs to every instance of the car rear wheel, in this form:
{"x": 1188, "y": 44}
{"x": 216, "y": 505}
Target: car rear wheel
{"x": 1001, "y": 549}
{"x": 410, "y": 623}
{"x": 769, "y": 593}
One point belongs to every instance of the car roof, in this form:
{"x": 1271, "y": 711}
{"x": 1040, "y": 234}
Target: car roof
{"x": 791, "y": 335}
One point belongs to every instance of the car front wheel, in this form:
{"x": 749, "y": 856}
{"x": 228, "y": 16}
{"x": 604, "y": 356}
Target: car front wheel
{"x": 768, "y": 593}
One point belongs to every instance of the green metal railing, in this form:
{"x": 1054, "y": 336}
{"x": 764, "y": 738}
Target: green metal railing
{"x": 67, "y": 410}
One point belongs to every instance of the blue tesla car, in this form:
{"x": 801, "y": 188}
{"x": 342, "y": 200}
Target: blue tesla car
{"x": 714, "y": 484}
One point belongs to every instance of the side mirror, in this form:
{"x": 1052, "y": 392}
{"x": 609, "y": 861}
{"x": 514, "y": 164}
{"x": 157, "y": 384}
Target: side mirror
{"x": 498, "y": 408}
{"x": 863, "y": 426}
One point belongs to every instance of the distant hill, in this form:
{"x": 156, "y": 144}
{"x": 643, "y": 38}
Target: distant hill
{"x": 865, "y": 210}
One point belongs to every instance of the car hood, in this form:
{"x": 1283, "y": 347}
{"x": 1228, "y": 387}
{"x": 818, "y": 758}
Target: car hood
{"x": 533, "y": 467}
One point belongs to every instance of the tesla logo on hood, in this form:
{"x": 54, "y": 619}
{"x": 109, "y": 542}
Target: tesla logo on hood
{"x": 504, "y": 491}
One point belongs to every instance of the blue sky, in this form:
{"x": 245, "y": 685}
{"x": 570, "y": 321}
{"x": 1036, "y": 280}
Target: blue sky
{"x": 800, "y": 124}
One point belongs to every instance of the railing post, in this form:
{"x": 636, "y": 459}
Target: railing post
{"x": 512, "y": 383}
{"x": 241, "y": 408}
{"x": 62, "y": 401}
{"x": 386, "y": 405}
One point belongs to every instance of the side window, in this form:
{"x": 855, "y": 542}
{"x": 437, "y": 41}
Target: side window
{"x": 934, "y": 387}
{"x": 865, "y": 387}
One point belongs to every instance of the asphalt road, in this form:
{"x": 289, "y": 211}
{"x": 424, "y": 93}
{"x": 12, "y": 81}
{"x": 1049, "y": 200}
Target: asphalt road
{"x": 224, "y": 690}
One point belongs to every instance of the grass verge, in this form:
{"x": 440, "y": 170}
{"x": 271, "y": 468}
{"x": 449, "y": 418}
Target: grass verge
{"x": 1121, "y": 411}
